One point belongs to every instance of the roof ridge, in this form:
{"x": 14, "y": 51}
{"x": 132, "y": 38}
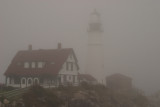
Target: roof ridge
{"x": 44, "y": 49}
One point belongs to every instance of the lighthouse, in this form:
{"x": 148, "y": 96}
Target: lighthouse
{"x": 95, "y": 48}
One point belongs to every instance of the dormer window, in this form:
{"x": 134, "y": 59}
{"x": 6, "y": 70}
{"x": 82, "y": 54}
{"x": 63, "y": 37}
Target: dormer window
{"x": 33, "y": 64}
{"x": 41, "y": 64}
{"x": 26, "y": 65}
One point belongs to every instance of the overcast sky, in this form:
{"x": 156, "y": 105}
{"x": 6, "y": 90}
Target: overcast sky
{"x": 131, "y": 33}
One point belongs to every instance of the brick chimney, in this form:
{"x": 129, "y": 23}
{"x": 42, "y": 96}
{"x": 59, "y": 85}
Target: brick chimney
{"x": 59, "y": 46}
{"x": 30, "y": 47}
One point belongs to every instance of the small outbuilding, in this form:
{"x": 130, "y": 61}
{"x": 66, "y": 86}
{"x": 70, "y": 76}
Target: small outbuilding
{"x": 119, "y": 82}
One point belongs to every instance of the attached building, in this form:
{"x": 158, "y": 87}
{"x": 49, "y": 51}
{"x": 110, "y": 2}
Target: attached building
{"x": 87, "y": 78}
{"x": 48, "y": 68}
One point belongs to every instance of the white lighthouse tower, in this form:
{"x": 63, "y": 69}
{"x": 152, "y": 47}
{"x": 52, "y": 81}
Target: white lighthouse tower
{"x": 95, "y": 52}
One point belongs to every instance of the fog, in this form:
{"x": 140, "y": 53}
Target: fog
{"x": 131, "y": 33}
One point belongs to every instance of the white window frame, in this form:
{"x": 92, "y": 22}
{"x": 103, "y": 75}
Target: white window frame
{"x": 40, "y": 64}
{"x": 26, "y": 65}
{"x": 69, "y": 66}
{"x": 33, "y": 64}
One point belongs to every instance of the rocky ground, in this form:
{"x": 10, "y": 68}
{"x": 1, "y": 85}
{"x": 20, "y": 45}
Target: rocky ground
{"x": 84, "y": 95}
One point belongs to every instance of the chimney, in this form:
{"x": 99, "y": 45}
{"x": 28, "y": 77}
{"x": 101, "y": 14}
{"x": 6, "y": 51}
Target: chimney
{"x": 30, "y": 47}
{"x": 59, "y": 46}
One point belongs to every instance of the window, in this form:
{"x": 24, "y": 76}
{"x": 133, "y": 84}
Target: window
{"x": 74, "y": 78}
{"x": 17, "y": 80}
{"x": 10, "y": 81}
{"x": 64, "y": 78}
{"x": 53, "y": 81}
{"x": 36, "y": 81}
{"x": 69, "y": 66}
{"x": 26, "y": 65}
{"x": 23, "y": 81}
{"x": 69, "y": 77}
{"x": 33, "y": 65}
{"x": 59, "y": 79}
{"x": 41, "y": 64}
{"x": 29, "y": 81}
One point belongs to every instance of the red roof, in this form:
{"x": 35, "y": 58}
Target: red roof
{"x": 87, "y": 77}
{"x": 58, "y": 56}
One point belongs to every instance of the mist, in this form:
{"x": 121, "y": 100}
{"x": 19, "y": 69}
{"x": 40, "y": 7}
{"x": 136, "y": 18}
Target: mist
{"x": 131, "y": 33}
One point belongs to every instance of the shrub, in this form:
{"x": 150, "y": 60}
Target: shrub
{"x": 40, "y": 97}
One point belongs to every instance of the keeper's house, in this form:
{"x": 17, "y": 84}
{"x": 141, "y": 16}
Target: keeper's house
{"x": 48, "y": 68}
